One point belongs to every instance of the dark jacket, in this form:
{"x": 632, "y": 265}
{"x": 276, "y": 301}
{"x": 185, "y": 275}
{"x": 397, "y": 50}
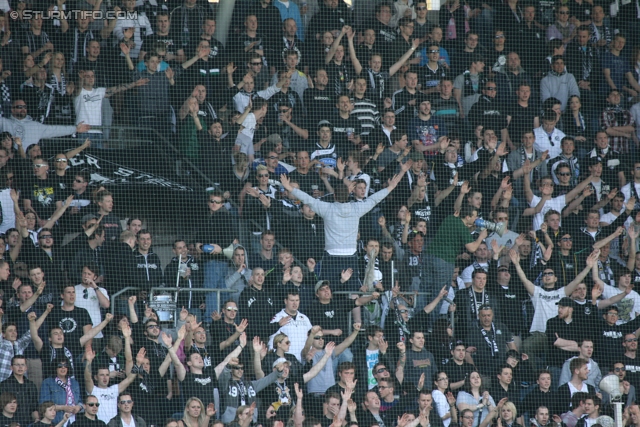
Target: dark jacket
{"x": 148, "y": 270}
{"x": 117, "y": 421}
{"x": 215, "y": 228}
{"x": 195, "y": 280}
{"x": 118, "y": 261}
{"x": 27, "y": 395}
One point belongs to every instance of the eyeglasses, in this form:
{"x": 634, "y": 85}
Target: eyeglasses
{"x": 126, "y": 402}
{"x": 381, "y": 370}
{"x": 153, "y": 327}
{"x": 61, "y": 160}
{"x": 563, "y": 173}
{"x": 612, "y": 313}
{"x": 46, "y": 236}
{"x": 382, "y": 387}
{"x": 216, "y": 202}
{"x": 232, "y": 308}
{"x": 631, "y": 340}
{"x": 93, "y": 404}
{"x": 548, "y": 273}
{"x": 318, "y": 338}
{"x": 618, "y": 369}
{"x": 443, "y": 379}
{"x": 20, "y": 107}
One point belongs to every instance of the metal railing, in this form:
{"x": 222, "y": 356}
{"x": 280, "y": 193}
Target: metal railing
{"x": 350, "y": 325}
{"x": 173, "y": 290}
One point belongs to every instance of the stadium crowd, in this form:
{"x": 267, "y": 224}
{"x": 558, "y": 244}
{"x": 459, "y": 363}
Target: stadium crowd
{"x": 414, "y": 222}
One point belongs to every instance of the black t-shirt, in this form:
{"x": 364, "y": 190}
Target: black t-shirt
{"x": 457, "y": 373}
{"x": 221, "y": 331}
{"x": 521, "y": 120}
{"x": 333, "y": 315}
{"x": 41, "y": 192}
{"x": 306, "y": 181}
{"x": 71, "y": 323}
{"x": 83, "y": 421}
{"x": 171, "y": 41}
{"x": 200, "y": 386}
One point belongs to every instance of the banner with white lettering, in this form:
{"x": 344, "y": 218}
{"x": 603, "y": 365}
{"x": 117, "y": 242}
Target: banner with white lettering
{"x": 104, "y": 172}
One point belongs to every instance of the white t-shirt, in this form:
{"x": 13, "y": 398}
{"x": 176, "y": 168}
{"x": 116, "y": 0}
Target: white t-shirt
{"x": 627, "y": 308}
{"x": 108, "y": 398}
{"x": 8, "y": 214}
{"x": 557, "y": 203}
{"x": 441, "y": 405}
{"x": 86, "y": 298}
{"x": 88, "y": 106}
{"x": 544, "y": 303}
{"x": 296, "y": 330}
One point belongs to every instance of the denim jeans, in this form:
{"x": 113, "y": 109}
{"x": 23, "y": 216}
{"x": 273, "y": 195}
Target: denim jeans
{"x": 332, "y": 267}
{"x": 214, "y": 272}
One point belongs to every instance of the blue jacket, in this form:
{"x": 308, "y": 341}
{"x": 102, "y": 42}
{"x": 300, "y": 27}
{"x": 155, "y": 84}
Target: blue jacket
{"x": 50, "y": 390}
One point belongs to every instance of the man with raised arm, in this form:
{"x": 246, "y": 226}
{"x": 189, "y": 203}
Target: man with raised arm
{"x": 341, "y": 221}
{"x": 544, "y": 299}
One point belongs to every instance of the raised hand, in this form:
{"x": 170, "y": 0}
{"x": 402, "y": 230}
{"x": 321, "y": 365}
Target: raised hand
{"x": 216, "y": 316}
{"x": 383, "y": 345}
{"x": 142, "y": 354}
{"x": 257, "y": 344}
{"x": 328, "y": 349}
{"x": 514, "y": 256}
{"x": 346, "y": 274}
{"x": 243, "y": 339}
{"x": 242, "y": 326}
{"x": 593, "y": 258}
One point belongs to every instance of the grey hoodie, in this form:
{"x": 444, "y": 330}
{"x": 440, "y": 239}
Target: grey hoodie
{"x": 235, "y": 280}
{"x": 31, "y": 131}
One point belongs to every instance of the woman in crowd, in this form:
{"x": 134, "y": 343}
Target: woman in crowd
{"x": 475, "y": 397}
{"x": 62, "y": 390}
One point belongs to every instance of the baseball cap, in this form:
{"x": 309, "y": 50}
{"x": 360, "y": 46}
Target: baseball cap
{"x": 279, "y": 361}
{"x": 88, "y": 217}
{"x": 322, "y": 283}
{"x": 274, "y": 139}
{"x": 416, "y": 156}
{"x": 324, "y": 123}
{"x": 566, "y": 302}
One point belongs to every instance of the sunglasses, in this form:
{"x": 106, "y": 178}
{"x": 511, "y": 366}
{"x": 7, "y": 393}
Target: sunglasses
{"x": 548, "y": 274}
{"x": 20, "y": 107}
{"x": 563, "y": 173}
{"x": 567, "y": 239}
{"x": 318, "y": 338}
{"x": 381, "y": 370}
{"x": 272, "y": 157}
{"x": 403, "y": 311}
{"x": 434, "y": 51}
{"x": 153, "y": 327}
{"x": 216, "y": 202}
{"x": 85, "y": 294}
{"x": 232, "y": 308}
{"x": 61, "y": 160}
{"x": 93, "y": 404}
{"x": 39, "y": 165}
{"x": 237, "y": 368}
{"x": 262, "y": 175}
{"x": 631, "y": 340}
{"x": 63, "y": 365}
{"x": 421, "y": 8}
{"x": 491, "y": 88}
{"x": 126, "y": 402}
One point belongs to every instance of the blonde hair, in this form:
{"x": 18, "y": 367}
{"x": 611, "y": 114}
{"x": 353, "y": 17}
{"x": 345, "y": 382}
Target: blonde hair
{"x": 203, "y": 412}
{"x": 510, "y": 406}
{"x": 278, "y": 339}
